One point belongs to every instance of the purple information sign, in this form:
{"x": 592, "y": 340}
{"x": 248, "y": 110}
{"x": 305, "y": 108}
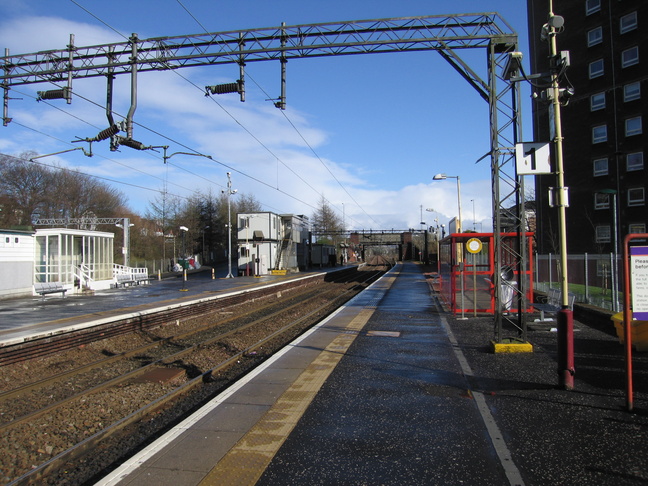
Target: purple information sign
{"x": 639, "y": 281}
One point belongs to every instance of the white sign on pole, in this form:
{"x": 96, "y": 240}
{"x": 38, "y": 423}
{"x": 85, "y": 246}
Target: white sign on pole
{"x": 532, "y": 158}
{"x": 639, "y": 281}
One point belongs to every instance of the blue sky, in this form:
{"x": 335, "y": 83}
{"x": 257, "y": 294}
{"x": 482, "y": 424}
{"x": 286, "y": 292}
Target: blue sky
{"x": 383, "y": 125}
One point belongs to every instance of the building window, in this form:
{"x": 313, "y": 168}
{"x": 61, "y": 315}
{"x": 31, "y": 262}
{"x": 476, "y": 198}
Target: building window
{"x": 597, "y": 101}
{"x": 633, "y": 126}
{"x": 599, "y": 134}
{"x": 637, "y": 228}
{"x": 602, "y": 234}
{"x": 600, "y": 167}
{"x": 592, "y": 6}
{"x": 594, "y": 36}
{"x": 601, "y": 200}
{"x": 630, "y": 57}
{"x": 596, "y": 69}
{"x": 628, "y": 22}
{"x": 632, "y": 91}
{"x": 634, "y": 161}
{"x": 636, "y": 196}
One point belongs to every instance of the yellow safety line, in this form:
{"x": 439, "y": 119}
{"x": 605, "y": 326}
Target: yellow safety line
{"x": 248, "y": 459}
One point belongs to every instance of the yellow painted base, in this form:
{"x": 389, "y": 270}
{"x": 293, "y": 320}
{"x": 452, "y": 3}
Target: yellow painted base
{"x": 279, "y": 272}
{"x": 512, "y": 346}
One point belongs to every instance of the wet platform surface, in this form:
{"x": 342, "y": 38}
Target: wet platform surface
{"x": 391, "y": 390}
{"x": 24, "y": 317}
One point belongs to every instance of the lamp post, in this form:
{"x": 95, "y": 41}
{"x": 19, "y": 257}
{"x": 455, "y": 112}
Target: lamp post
{"x": 184, "y": 230}
{"x": 474, "y": 220}
{"x": 126, "y": 225}
{"x": 229, "y": 192}
{"x": 565, "y": 317}
{"x": 436, "y": 235}
{"x": 203, "y": 243}
{"x": 165, "y": 158}
{"x": 442, "y": 177}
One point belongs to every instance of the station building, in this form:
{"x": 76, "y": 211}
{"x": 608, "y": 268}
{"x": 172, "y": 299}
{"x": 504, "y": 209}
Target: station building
{"x": 272, "y": 243}
{"x": 16, "y": 263}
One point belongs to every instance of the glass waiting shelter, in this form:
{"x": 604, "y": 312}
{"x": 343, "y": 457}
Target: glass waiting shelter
{"x": 79, "y": 258}
{"x": 466, "y": 272}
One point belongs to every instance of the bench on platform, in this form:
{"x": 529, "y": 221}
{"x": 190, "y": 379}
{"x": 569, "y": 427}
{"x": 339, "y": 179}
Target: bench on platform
{"x": 44, "y": 288}
{"x": 553, "y": 304}
{"x": 141, "y": 278}
{"x": 125, "y": 279}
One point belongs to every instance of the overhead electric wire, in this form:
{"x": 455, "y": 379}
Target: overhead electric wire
{"x": 102, "y": 156}
{"x": 317, "y": 156}
{"x": 76, "y": 171}
{"x": 236, "y": 121}
{"x": 290, "y": 122}
{"x": 193, "y": 150}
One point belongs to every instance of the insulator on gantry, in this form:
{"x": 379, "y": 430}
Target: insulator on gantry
{"x": 54, "y": 94}
{"x": 236, "y": 87}
{"x": 107, "y": 133}
{"x": 134, "y": 144}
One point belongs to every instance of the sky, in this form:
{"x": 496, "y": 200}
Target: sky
{"x": 366, "y": 132}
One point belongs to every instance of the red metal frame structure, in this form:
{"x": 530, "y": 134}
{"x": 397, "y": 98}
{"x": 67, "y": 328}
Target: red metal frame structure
{"x": 466, "y": 279}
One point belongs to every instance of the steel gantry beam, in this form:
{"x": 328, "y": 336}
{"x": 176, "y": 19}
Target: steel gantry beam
{"x": 448, "y": 35}
{"x": 459, "y": 31}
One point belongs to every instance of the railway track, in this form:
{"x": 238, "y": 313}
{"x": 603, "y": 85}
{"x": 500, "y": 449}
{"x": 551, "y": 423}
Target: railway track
{"x": 54, "y": 422}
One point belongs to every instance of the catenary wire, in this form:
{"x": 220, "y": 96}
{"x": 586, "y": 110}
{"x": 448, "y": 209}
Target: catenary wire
{"x": 236, "y": 121}
{"x": 291, "y": 124}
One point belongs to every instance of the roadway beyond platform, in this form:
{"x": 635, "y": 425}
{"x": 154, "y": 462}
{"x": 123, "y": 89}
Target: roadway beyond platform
{"x": 391, "y": 390}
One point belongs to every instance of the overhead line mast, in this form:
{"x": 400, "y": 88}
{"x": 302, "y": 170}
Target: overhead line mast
{"x": 447, "y": 34}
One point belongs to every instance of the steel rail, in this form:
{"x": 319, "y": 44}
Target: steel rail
{"x": 144, "y": 320}
{"x": 91, "y": 442}
{"x": 161, "y": 342}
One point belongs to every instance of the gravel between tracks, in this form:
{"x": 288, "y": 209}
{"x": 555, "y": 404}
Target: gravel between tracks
{"x": 44, "y": 437}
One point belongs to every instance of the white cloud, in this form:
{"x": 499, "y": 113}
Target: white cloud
{"x": 176, "y": 108}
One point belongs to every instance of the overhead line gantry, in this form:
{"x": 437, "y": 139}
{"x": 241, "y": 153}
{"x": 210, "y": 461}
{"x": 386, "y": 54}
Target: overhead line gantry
{"x": 448, "y": 35}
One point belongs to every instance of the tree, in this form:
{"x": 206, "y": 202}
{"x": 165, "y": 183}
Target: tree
{"x": 23, "y": 188}
{"x": 326, "y": 224}
{"x": 30, "y": 190}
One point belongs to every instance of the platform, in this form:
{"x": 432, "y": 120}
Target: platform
{"x": 390, "y": 390}
{"x": 28, "y": 318}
